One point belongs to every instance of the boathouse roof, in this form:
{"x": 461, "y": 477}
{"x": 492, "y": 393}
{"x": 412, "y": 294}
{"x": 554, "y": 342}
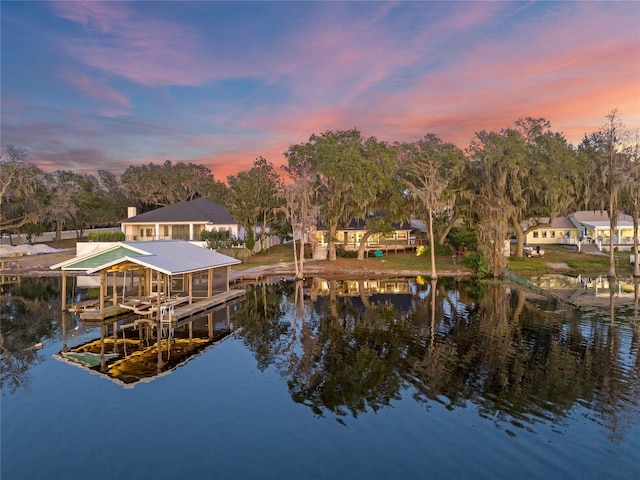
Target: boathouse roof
{"x": 172, "y": 257}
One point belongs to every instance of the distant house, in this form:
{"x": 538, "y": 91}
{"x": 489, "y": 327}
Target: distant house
{"x": 560, "y": 230}
{"x": 180, "y": 221}
{"x": 579, "y": 227}
{"x": 349, "y": 238}
{"x": 594, "y": 225}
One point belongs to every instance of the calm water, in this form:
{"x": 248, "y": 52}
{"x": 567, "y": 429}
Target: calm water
{"x": 371, "y": 379}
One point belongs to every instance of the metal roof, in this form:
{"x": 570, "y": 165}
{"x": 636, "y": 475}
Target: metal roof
{"x": 601, "y": 219}
{"x": 172, "y": 257}
{"x": 198, "y": 210}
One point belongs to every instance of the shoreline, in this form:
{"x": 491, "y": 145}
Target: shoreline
{"x": 38, "y": 266}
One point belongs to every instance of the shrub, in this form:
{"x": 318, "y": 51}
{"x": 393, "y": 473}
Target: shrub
{"x": 217, "y": 239}
{"x": 105, "y": 237}
{"x": 461, "y": 236}
{"x": 441, "y": 251}
{"x": 476, "y": 261}
{"x": 342, "y": 253}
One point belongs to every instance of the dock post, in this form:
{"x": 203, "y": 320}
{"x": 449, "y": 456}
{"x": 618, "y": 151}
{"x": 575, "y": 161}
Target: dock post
{"x": 64, "y": 290}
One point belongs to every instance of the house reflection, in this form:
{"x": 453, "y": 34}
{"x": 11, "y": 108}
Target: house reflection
{"x": 601, "y": 286}
{"x": 357, "y": 287}
{"x": 598, "y": 286}
{"x": 136, "y": 350}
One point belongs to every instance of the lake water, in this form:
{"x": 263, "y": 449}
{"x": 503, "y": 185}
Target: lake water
{"x": 386, "y": 379}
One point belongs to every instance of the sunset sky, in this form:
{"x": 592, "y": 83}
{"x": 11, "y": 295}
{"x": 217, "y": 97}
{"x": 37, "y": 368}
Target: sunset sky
{"x": 104, "y": 85}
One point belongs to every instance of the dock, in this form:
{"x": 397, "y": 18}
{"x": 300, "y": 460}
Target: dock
{"x": 175, "y": 309}
{"x": 254, "y": 274}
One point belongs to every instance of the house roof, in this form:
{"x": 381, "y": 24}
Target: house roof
{"x": 198, "y": 210}
{"x": 359, "y": 224}
{"x": 601, "y": 219}
{"x": 172, "y": 257}
{"x": 557, "y": 223}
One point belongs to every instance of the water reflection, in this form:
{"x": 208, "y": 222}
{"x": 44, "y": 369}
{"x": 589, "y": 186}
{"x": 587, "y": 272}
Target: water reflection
{"x": 134, "y": 350}
{"x": 345, "y": 350}
{"x": 28, "y": 317}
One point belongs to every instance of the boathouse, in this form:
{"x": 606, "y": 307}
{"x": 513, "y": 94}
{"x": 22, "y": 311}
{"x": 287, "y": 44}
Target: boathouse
{"x": 158, "y": 280}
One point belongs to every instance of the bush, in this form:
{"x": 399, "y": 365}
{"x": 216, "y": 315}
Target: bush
{"x": 441, "y": 251}
{"x": 463, "y": 237}
{"x": 476, "y": 261}
{"x": 106, "y": 237}
{"x": 217, "y": 239}
{"x": 342, "y": 253}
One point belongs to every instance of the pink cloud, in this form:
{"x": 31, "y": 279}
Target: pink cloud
{"x": 93, "y": 14}
{"x": 99, "y": 91}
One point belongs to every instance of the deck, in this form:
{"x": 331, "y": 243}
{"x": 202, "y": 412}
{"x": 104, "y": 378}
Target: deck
{"x": 174, "y": 308}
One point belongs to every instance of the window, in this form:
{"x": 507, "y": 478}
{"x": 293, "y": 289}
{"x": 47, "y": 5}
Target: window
{"x": 544, "y": 234}
{"x": 535, "y": 234}
{"x": 149, "y": 232}
{"x": 553, "y": 234}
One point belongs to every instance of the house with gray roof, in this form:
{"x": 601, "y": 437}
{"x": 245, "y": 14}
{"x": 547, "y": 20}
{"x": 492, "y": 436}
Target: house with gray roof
{"x": 180, "y": 221}
{"x": 579, "y": 227}
{"x": 559, "y": 230}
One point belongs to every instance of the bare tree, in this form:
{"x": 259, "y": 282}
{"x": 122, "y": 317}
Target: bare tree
{"x": 299, "y": 205}
{"x": 423, "y": 163}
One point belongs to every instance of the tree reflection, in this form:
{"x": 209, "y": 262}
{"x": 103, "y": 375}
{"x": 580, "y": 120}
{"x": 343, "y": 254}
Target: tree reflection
{"x": 518, "y": 360}
{"x": 28, "y": 315}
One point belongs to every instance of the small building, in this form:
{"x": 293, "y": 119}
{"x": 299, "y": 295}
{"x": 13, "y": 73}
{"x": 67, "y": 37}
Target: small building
{"x": 180, "y": 221}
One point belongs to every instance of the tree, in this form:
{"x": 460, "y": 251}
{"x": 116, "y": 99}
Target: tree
{"x": 377, "y": 201}
{"x": 498, "y": 159}
{"x": 605, "y": 150}
{"x": 339, "y": 166}
{"x": 551, "y": 179}
{"x": 19, "y": 180}
{"x": 161, "y": 185}
{"x": 299, "y": 202}
{"x": 632, "y": 195}
{"x": 62, "y": 204}
{"x": 253, "y": 198}
{"x": 424, "y": 171}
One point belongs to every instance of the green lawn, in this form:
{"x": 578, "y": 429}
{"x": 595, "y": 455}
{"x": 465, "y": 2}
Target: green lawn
{"x": 576, "y": 261}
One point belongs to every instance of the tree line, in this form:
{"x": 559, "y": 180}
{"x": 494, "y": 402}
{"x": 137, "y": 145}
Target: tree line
{"x": 504, "y": 177}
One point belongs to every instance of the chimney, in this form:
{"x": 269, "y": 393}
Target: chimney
{"x": 132, "y": 212}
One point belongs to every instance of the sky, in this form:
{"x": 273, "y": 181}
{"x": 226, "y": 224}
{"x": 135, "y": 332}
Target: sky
{"x": 104, "y": 85}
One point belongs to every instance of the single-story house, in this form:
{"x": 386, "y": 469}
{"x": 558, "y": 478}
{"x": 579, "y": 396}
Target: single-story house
{"x": 594, "y": 225}
{"x": 578, "y": 227}
{"x": 180, "y": 221}
{"x": 560, "y": 230}
{"x": 349, "y": 238}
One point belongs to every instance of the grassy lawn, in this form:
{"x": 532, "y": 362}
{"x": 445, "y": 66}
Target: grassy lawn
{"x": 391, "y": 262}
{"x": 576, "y": 261}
